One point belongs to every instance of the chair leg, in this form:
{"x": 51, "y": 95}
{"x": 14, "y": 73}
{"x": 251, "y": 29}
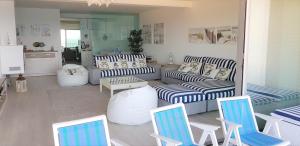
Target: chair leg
{"x": 212, "y": 136}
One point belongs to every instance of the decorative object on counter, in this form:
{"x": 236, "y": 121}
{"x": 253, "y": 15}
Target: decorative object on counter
{"x": 21, "y": 84}
{"x": 52, "y": 48}
{"x": 171, "y": 58}
{"x": 135, "y": 41}
{"x": 38, "y": 44}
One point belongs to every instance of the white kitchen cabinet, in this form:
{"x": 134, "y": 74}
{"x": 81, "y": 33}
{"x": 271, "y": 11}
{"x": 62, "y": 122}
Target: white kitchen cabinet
{"x": 41, "y": 63}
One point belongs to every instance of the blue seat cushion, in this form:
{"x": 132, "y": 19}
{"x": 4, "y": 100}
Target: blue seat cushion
{"x": 259, "y": 139}
{"x": 126, "y": 71}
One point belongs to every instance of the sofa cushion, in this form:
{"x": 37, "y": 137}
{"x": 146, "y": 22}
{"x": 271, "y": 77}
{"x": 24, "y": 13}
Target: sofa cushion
{"x": 131, "y": 57}
{"x": 189, "y": 59}
{"x": 213, "y": 89}
{"x": 222, "y": 63}
{"x": 127, "y": 71}
{"x": 175, "y": 74}
{"x": 194, "y": 78}
{"x": 178, "y": 94}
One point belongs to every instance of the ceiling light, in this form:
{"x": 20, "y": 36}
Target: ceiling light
{"x": 99, "y": 2}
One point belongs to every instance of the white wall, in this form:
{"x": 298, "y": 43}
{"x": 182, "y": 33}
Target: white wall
{"x": 7, "y": 24}
{"x": 283, "y": 63}
{"x": 29, "y": 16}
{"x": 204, "y": 13}
{"x": 258, "y": 41}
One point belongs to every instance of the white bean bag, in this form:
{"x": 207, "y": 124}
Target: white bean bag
{"x": 72, "y": 75}
{"x": 132, "y": 107}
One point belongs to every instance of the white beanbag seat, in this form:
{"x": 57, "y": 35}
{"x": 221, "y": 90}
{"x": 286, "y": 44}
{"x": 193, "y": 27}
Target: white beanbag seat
{"x": 72, "y": 75}
{"x": 132, "y": 107}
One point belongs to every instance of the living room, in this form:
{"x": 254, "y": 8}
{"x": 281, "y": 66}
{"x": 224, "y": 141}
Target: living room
{"x": 125, "y": 61}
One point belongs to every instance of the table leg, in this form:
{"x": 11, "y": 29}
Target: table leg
{"x": 111, "y": 93}
{"x": 100, "y": 86}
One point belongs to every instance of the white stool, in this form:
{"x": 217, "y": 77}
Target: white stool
{"x": 132, "y": 107}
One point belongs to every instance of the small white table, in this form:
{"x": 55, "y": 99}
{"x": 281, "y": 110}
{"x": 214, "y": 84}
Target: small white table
{"x": 121, "y": 83}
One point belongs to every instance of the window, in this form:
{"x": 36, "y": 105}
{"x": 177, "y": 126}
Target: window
{"x": 70, "y": 38}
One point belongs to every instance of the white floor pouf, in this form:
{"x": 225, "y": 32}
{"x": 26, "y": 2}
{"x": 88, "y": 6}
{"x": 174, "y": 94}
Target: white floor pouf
{"x": 72, "y": 75}
{"x": 132, "y": 107}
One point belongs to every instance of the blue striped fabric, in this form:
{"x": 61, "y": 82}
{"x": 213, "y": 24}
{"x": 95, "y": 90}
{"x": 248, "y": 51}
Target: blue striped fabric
{"x": 178, "y": 94}
{"x": 131, "y": 57}
{"x": 194, "y": 78}
{"x": 292, "y": 113}
{"x": 87, "y": 134}
{"x": 257, "y": 99}
{"x": 239, "y": 112}
{"x": 278, "y": 94}
{"x": 172, "y": 124}
{"x": 189, "y": 59}
{"x": 174, "y": 74}
{"x": 258, "y": 139}
{"x": 213, "y": 89}
{"x": 222, "y": 63}
{"x": 126, "y": 71}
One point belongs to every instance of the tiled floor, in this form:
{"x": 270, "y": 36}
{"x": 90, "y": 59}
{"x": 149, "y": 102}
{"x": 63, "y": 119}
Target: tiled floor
{"x": 27, "y": 117}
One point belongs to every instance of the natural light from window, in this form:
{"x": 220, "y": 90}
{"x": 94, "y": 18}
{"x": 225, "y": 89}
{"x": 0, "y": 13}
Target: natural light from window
{"x": 70, "y": 38}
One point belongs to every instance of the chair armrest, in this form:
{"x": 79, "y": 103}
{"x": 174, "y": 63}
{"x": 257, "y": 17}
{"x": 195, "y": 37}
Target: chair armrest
{"x": 230, "y": 123}
{"x": 267, "y": 117}
{"x": 117, "y": 142}
{"x": 271, "y": 122}
{"x": 232, "y": 128}
{"x": 169, "y": 141}
{"x": 204, "y": 126}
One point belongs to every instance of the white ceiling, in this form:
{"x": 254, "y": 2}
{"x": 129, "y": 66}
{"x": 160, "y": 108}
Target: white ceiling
{"x": 120, "y": 6}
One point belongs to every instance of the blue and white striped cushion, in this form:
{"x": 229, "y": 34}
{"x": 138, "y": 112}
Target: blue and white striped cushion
{"x": 279, "y": 94}
{"x": 92, "y": 133}
{"x": 291, "y": 114}
{"x": 127, "y": 71}
{"x": 222, "y": 63}
{"x": 111, "y": 58}
{"x": 213, "y": 89}
{"x": 194, "y": 78}
{"x": 257, "y": 99}
{"x": 178, "y": 94}
{"x": 174, "y": 74}
{"x": 131, "y": 57}
{"x": 189, "y": 59}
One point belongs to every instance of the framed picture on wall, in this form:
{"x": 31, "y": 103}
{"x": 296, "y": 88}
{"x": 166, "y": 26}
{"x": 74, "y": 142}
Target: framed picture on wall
{"x": 226, "y": 35}
{"x": 159, "y": 33}
{"x": 147, "y": 34}
{"x": 202, "y": 35}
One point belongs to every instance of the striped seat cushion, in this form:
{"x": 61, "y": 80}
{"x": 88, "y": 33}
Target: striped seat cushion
{"x": 174, "y": 74}
{"x": 213, "y": 89}
{"x": 127, "y": 71}
{"x": 290, "y": 115}
{"x": 178, "y": 94}
{"x": 194, "y": 78}
{"x": 257, "y": 99}
{"x": 259, "y": 139}
{"x": 92, "y": 133}
{"x": 278, "y": 94}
